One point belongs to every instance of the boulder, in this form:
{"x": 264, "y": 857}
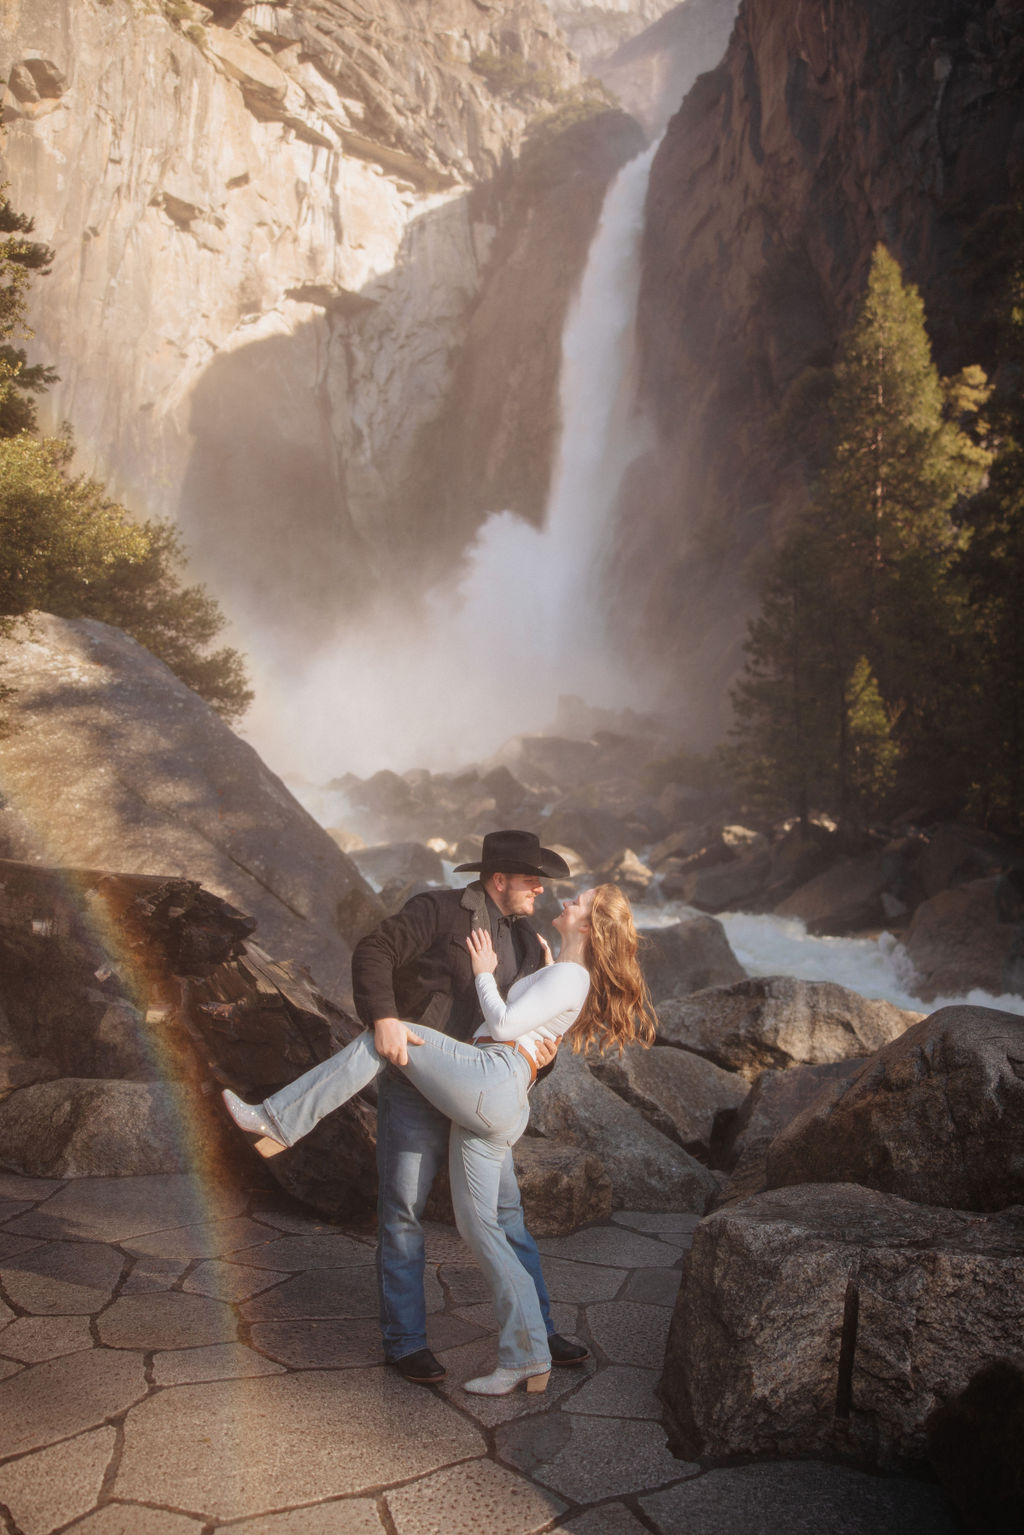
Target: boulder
{"x": 113, "y": 763}
{"x": 596, "y": 834}
{"x": 774, "y": 1021}
{"x": 646, "y": 1170}
{"x": 679, "y": 1093}
{"x": 974, "y": 1445}
{"x": 677, "y": 846}
{"x": 953, "y": 854}
{"x": 775, "y": 1099}
{"x": 563, "y": 1187}
{"x": 82, "y": 1128}
{"x": 725, "y": 887}
{"x": 687, "y": 957}
{"x": 971, "y": 936}
{"x": 798, "y": 857}
{"x": 383, "y": 863}
{"x": 824, "y": 1320}
{"x": 848, "y": 897}
{"x": 937, "y": 1116}
{"x": 627, "y": 871}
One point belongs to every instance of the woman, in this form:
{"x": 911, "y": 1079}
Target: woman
{"x": 594, "y": 993}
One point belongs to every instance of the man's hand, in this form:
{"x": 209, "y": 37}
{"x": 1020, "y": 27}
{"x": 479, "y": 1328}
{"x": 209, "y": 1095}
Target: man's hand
{"x": 549, "y": 958}
{"x": 545, "y": 1050}
{"x": 392, "y": 1038}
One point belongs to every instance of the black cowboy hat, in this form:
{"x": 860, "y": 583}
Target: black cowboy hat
{"x": 516, "y": 852}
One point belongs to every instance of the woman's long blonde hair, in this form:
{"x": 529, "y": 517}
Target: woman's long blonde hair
{"x": 618, "y": 1008}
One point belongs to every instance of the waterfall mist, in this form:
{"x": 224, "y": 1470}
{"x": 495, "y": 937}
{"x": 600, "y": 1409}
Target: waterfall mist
{"x": 488, "y": 654}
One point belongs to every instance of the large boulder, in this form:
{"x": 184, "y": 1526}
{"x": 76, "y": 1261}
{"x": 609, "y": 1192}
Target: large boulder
{"x": 775, "y": 1099}
{"x": 687, "y": 957}
{"x": 967, "y": 937}
{"x": 384, "y": 862}
{"x": 953, "y": 854}
{"x": 854, "y": 894}
{"x": 774, "y": 1021}
{"x": 833, "y": 1320}
{"x": 678, "y": 1092}
{"x": 112, "y": 763}
{"x": 84, "y": 1128}
{"x": 937, "y": 1116}
{"x": 647, "y": 1171}
{"x": 562, "y": 1186}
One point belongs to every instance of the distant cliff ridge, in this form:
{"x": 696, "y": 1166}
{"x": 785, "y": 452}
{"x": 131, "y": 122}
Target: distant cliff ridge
{"x": 826, "y": 129}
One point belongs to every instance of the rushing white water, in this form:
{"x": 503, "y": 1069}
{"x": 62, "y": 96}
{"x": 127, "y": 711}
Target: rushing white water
{"x": 525, "y": 623}
{"x": 874, "y": 967}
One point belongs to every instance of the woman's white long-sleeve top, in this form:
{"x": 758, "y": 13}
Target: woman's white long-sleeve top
{"x": 540, "y": 1006}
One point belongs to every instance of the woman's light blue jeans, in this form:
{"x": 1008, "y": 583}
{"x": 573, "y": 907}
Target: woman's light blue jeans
{"x": 483, "y": 1091}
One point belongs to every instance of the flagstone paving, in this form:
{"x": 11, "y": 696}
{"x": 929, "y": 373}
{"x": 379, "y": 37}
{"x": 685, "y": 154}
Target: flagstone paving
{"x": 176, "y": 1363}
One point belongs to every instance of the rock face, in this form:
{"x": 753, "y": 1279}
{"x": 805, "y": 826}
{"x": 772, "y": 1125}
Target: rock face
{"x": 266, "y": 256}
{"x": 651, "y": 72}
{"x": 821, "y": 133}
{"x": 775, "y": 1021}
{"x": 114, "y": 764}
{"x": 937, "y": 1116}
{"x": 834, "y": 1320}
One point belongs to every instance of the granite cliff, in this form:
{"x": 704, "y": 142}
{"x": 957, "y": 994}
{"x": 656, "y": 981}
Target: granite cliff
{"x": 265, "y": 251}
{"x": 825, "y": 129}
{"x": 287, "y": 235}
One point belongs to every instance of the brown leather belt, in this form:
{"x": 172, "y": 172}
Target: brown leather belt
{"x": 511, "y": 1044}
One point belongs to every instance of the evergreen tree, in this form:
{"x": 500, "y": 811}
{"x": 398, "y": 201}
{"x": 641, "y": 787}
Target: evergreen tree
{"x": 993, "y": 752}
{"x": 789, "y": 700}
{"x": 65, "y": 546}
{"x": 20, "y": 258}
{"x": 864, "y": 599}
{"x": 897, "y": 467}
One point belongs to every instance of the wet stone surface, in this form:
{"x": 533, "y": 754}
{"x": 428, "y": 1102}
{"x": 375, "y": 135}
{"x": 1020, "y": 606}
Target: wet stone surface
{"x": 176, "y": 1363}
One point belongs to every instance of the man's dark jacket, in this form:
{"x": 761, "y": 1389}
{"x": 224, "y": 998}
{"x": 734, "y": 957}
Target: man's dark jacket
{"x": 416, "y": 966}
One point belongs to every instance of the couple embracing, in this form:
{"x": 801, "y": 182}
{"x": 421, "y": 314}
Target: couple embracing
{"x": 466, "y": 1003}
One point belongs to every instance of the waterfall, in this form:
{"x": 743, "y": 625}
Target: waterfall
{"x": 526, "y": 622}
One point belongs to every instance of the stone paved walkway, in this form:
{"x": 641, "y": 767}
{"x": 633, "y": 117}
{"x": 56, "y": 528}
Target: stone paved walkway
{"x": 172, "y": 1364}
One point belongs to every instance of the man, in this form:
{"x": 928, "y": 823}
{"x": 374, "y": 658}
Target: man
{"x": 415, "y": 969}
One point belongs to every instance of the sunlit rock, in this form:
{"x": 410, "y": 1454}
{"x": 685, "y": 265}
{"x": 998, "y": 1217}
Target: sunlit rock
{"x": 113, "y": 763}
{"x": 775, "y": 1021}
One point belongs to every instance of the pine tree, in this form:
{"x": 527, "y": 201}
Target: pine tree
{"x": 20, "y": 258}
{"x": 855, "y": 666}
{"x": 993, "y": 751}
{"x": 897, "y": 467}
{"x": 65, "y": 545}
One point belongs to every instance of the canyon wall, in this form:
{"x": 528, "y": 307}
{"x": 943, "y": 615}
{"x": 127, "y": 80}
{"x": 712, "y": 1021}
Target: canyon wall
{"x": 266, "y": 249}
{"x": 826, "y": 129}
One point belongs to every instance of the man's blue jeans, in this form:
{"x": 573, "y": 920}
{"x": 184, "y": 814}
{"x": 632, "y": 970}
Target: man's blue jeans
{"x": 412, "y": 1145}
